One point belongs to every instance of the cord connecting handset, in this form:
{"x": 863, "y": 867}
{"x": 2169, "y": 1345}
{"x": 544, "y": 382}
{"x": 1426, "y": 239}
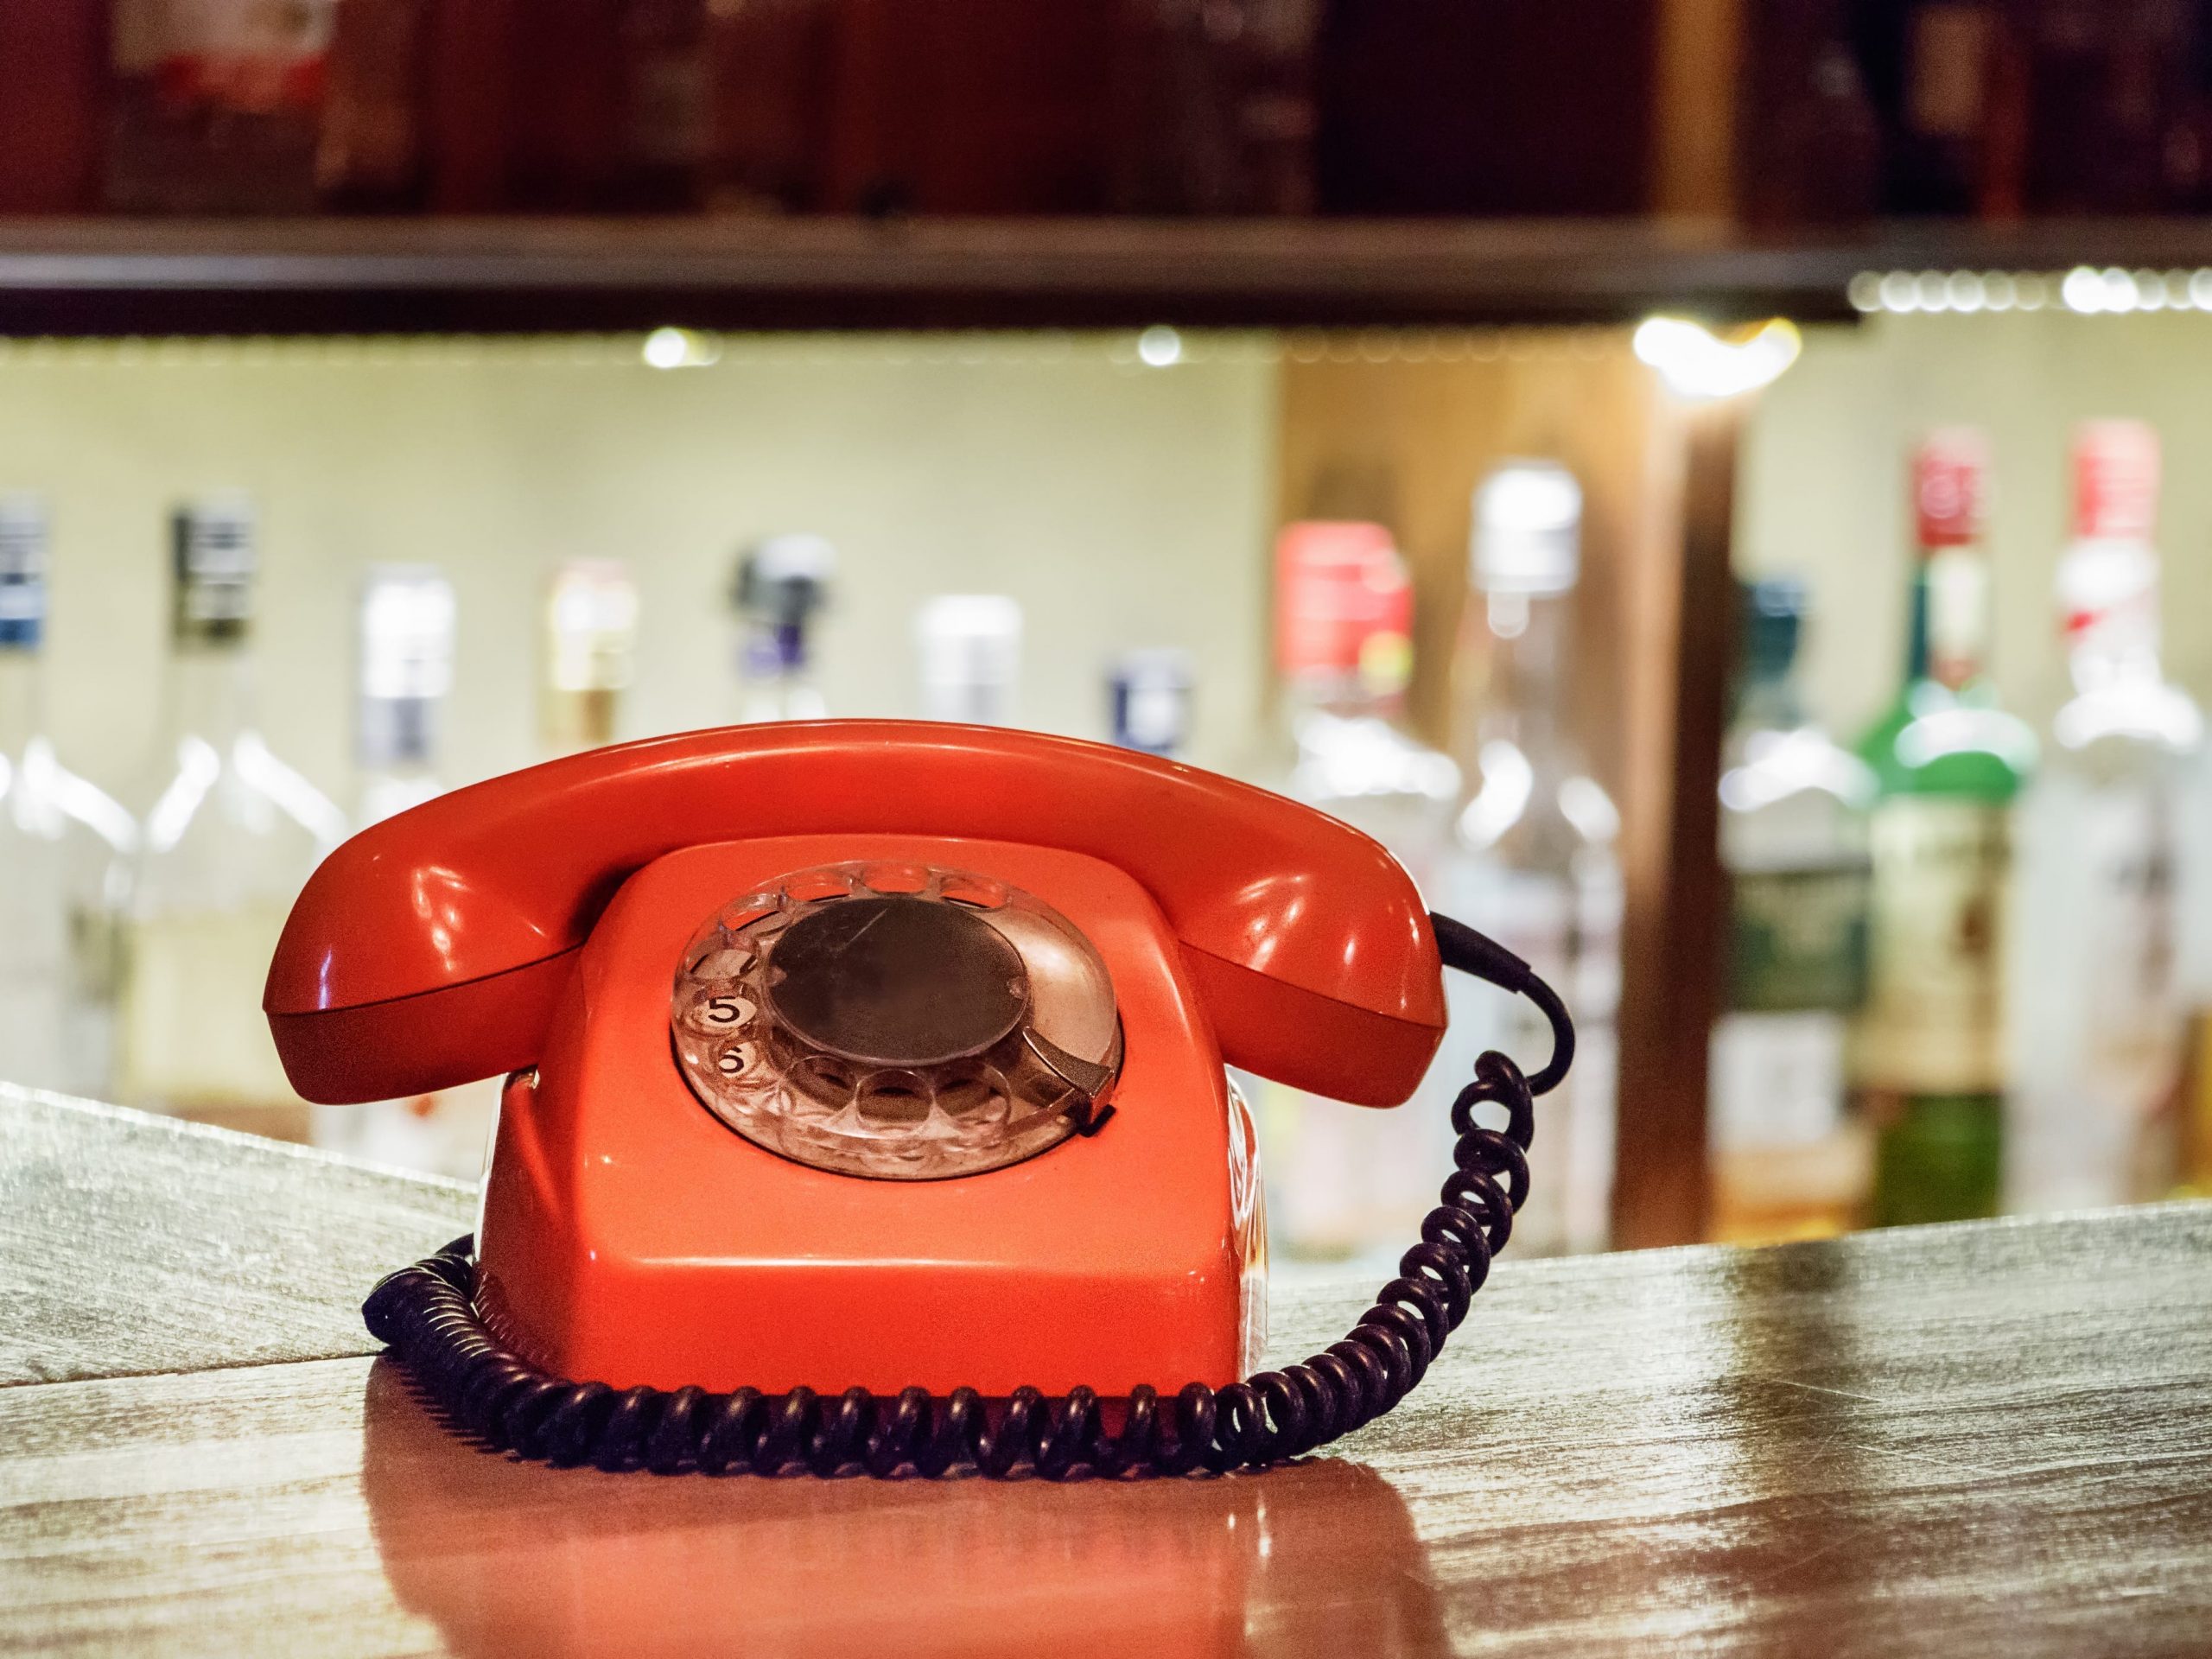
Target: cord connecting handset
{"x": 866, "y": 1106}
{"x": 426, "y": 1313}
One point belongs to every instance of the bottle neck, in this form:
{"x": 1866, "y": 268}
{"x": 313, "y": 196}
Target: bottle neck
{"x": 1949, "y": 637}
{"x": 211, "y": 692}
{"x": 1767, "y": 701}
{"x": 775, "y": 673}
{"x": 19, "y": 700}
{"x": 1526, "y": 640}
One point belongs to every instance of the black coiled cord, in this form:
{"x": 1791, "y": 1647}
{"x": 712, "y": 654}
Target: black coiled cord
{"x": 426, "y": 1314}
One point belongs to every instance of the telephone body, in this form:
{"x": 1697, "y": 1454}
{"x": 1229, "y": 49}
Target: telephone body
{"x": 863, "y": 901}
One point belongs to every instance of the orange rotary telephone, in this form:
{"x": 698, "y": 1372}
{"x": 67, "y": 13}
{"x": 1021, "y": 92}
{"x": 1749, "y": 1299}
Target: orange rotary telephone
{"x": 867, "y": 1108}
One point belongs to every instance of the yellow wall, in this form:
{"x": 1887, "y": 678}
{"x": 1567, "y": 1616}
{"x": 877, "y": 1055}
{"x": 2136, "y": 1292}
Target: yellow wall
{"x": 1124, "y": 505}
{"x": 1823, "y": 483}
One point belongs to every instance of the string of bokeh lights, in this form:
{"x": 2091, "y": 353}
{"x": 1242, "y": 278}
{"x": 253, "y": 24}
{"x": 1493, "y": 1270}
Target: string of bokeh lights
{"x": 2086, "y": 290}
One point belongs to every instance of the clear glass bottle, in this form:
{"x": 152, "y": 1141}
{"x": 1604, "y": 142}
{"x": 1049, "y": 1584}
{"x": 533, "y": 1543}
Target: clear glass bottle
{"x": 405, "y": 643}
{"x": 229, "y": 836}
{"x": 2098, "y": 1018}
{"x": 64, "y": 852}
{"x": 782, "y": 585}
{"x": 1789, "y": 1161}
{"x": 1346, "y": 1183}
{"x": 969, "y": 646}
{"x": 1928, "y": 1052}
{"x": 1534, "y": 863}
{"x": 591, "y": 636}
{"x": 1149, "y": 700}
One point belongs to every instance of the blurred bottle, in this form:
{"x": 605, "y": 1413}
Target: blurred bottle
{"x": 1788, "y": 1160}
{"x": 772, "y": 91}
{"x": 54, "y": 115}
{"x": 1950, "y": 58}
{"x": 2098, "y": 1020}
{"x": 1810, "y": 146}
{"x": 970, "y": 650}
{"x": 2108, "y": 126}
{"x": 667, "y": 106}
{"x": 63, "y": 851}
{"x": 1149, "y": 700}
{"x": 782, "y": 585}
{"x": 1213, "y": 106}
{"x": 591, "y": 636}
{"x": 1346, "y": 1182}
{"x": 1928, "y": 1055}
{"x": 372, "y": 155}
{"x": 406, "y": 649}
{"x": 218, "y": 105}
{"x": 229, "y": 835}
{"x": 1534, "y": 864}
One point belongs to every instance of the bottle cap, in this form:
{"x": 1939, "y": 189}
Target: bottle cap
{"x": 1774, "y": 614}
{"x": 971, "y": 649}
{"x": 23, "y": 572}
{"x": 785, "y": 579}
{"x": 1950, "y": 472}
{"x": 2115, "y": 481}
{"x": 406, "y": 646}
{"x": 1151, "y": 697}
{"x": 213, "y": 556}
{"x": 1343, "y": 605}
{"x": 1528, "y": 529}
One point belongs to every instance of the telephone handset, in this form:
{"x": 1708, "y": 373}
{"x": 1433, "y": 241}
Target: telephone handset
{"x": 866, "y": 1079}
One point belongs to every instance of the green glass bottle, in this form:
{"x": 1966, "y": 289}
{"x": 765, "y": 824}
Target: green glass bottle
{"x": 1928, "y": 1054}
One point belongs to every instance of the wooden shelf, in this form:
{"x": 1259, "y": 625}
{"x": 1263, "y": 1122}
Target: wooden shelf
{"x": 121, "y": 277}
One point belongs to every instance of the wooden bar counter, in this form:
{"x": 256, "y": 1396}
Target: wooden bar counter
{"x": 1984, "y": 1438}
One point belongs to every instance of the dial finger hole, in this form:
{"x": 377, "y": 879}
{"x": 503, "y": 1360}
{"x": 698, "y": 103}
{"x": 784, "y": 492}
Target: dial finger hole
{"x": 721, "y": 1008}
{"x": 811, "y": 887}
{"x": 744, "y": 913}
{"x": 977, "y": 1097}
{"x": 896, "y": 878}
{"x": 725, "y": 962}
{"x": 975, "y": 891}
{"x": 894, "y": 1100}
{"x": 825, "y": 1080}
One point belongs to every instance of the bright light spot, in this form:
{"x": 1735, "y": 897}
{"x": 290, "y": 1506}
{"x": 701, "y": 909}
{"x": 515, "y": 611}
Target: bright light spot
{"x": 2177, "y": 293}
{"x": 1159, "y": 346}
{"x": 2031, "y": 293}
{"x": 1865, "y": 291}
{"x": 1999, "y": 290}
{"x": 1896, "y": 291}
{"x": 1930, "y": 289}
{"x": 681, "y": 348}
{"x": 2200, "y": 289}
{"x": 1964, "y": 291}
{"x": 2149, "y": 291}
{"x": 2119, "y": 290}
{"x": 2083, "y": 290}
{"x": 1697, "y": 363}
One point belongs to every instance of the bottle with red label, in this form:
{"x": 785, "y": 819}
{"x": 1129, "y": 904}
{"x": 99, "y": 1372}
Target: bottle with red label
{"x": 1345, "y": 1183}
{"x": 1928, "y": 1059}
{"x": 218, "y": 105}
{"x": 2098, "y": 1020}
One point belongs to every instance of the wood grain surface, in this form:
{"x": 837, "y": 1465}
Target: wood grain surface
{"x": 129, "y": 1242}
{"x": 1988, "y": 1439}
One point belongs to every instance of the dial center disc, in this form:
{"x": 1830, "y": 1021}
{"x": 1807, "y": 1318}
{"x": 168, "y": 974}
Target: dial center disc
{"x": 896, "y": 981}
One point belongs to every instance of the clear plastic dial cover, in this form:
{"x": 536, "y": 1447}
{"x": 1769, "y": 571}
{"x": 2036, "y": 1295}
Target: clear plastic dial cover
{"x": 896, "y": 1020}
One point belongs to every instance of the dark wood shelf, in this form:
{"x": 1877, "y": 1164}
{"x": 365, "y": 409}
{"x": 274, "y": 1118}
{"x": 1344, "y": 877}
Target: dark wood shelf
{"x": 128, "y": 276}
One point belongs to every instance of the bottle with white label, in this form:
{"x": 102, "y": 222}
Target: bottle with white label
{"x": 2098, "y": 1020}
{"x": 1927, "y": 1058}
{"x": 64, "y": 852}
{"x": 1346, "y": 1183}
{"x": 229, "y": 836}
{"x": 969, "y": 646}
{"x": 405, "y": 654}
{"x": 1789, "y": 1161}
{"x": 782, "y": 585}
{"x": 591, "y": 638}
{"x": 1534, "y": 862}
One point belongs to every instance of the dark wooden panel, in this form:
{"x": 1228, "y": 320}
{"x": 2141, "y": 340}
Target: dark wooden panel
{"x": 132, "y": 1243}
{"x": 1995, "y": 1438}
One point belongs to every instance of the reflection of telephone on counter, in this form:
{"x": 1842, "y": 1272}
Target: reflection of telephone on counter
{"x": 512, "y": 1560}
{"x": 867, "y": 1080}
